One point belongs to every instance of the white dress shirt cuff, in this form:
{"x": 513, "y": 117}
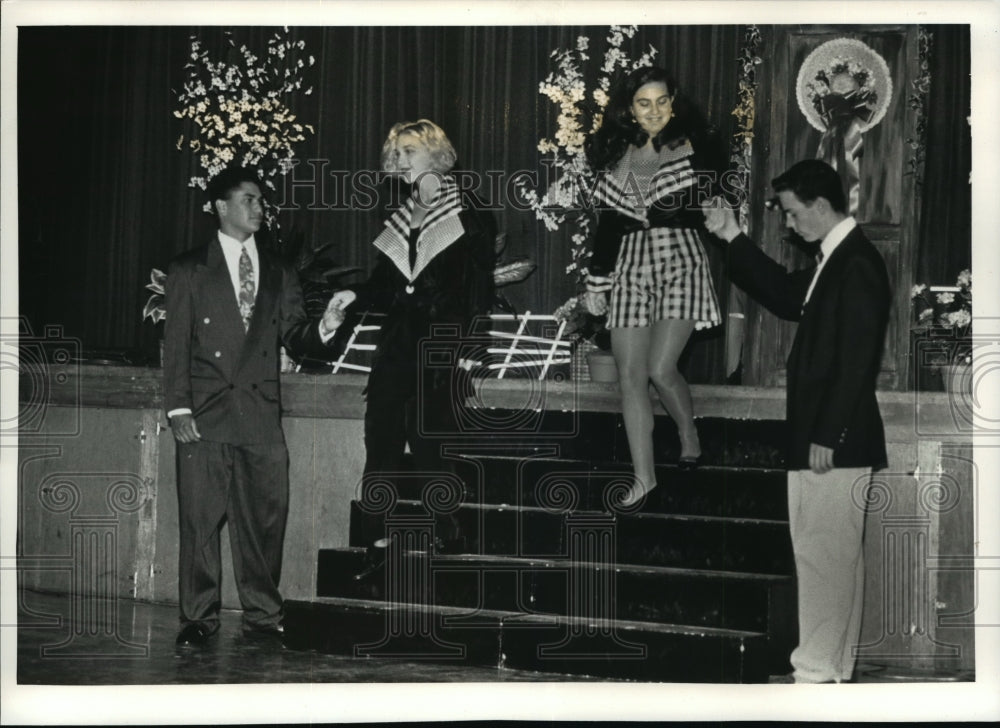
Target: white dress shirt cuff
{"x": 178, "y": 411}
{"x": 325, "y": 336}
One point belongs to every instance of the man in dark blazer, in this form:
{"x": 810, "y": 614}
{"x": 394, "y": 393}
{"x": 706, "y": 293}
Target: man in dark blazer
{"x": 835, "y": 430}
{"x": 230, "y": 306}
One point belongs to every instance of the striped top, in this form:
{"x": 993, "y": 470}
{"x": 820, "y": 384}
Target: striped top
{"x": 441, "y": 227}
{"x": 625, "y": 189}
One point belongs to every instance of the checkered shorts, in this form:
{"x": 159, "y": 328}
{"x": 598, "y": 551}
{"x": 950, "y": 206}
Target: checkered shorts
{"x": 661, "y": 273}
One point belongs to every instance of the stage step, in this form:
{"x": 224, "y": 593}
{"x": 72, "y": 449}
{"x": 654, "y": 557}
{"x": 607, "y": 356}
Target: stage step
{"x": 600, "y": 436}
{"x": 446, "y": 635}
{"x": 650, "y": 539}
{"x": 519, "y": 555}
{"x": 692, "y": 597}
{"x": 541, "y": 480}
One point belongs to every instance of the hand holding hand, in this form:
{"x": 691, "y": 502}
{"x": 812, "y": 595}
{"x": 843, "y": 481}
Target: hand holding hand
{"x": 720, "y": 220}
{"x": 184, "y": 428}
{"x": 342, "y": 299}
{"x": 334, "y": 315}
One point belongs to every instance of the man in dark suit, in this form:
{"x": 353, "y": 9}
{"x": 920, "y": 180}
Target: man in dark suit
{"x": 230, "y": 306}
{"x": 835, "y": 430}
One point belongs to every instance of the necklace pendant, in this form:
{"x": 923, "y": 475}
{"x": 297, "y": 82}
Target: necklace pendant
{"x": 409, "y": 288}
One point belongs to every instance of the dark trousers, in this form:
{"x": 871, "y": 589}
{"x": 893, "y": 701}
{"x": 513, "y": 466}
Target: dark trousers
{"x": 424, "y": 421}
{"x": 246, "y": 486}
{"x": 392, "y": 420}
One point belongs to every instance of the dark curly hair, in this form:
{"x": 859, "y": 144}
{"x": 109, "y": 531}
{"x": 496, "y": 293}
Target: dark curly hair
{"x": 619, "y": 128}
{"x": 222, "y": 185}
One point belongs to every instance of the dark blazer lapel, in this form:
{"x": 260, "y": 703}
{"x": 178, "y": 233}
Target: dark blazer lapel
{"x": 224, "y": 297}
{"x": 831, "y": 271}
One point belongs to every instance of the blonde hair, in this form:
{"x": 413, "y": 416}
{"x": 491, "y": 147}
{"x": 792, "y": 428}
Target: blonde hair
{"x": 430, "y": 135}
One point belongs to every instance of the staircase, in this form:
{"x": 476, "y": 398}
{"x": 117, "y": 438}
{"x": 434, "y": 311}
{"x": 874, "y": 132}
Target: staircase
{"x": 519, "y": 558}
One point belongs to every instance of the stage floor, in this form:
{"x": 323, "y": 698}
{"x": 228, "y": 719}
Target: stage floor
{"x": 142, "y": 652}
{"x": 148, "y": 632}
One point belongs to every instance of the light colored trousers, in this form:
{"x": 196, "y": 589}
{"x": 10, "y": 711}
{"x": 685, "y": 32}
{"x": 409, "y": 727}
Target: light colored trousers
{"x": 826, "y": 516}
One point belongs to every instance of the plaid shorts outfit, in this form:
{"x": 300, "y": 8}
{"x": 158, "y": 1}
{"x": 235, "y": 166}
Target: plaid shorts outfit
{"x": 660, "y": 272}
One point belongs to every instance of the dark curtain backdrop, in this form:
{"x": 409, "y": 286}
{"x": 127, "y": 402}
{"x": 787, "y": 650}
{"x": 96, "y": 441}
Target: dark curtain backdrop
{"x": 946, "y": 205}
{"x": 103, "y": 188}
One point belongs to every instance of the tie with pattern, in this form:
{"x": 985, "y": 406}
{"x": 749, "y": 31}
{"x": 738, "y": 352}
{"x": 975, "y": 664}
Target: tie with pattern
{"x": 246, "y": 288}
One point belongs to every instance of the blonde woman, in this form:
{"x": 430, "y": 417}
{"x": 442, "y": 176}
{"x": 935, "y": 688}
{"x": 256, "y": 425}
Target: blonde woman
{"x": 435, "y": 266}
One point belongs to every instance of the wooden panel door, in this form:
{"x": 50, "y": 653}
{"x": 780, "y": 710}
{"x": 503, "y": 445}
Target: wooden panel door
{"x": 887, "y": 209}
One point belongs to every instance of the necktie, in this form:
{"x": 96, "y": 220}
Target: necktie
{"x": 247, "y": 289}
{"x": 812, "y": 284}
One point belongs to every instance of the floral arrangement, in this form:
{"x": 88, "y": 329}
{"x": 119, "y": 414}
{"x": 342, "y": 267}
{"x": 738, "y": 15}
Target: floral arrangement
{"x": 950, "y": 307}
{"x": 945, "y": 307}
{"x": 745, "y": 113}
{"x": 238, "y": 109}
{"x": 841, "y": 77}
{"x": 917, "y": 101}
{"x": 154, "y": 308}
{"x": 580, "y": 113}
{"x": 844, "y": 78}
{"x": 581, "y": 324}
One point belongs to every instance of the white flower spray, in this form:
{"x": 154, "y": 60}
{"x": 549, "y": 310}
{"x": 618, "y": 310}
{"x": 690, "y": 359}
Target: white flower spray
{"x": 238, "y": 110}
{"x": 580, "y": 112}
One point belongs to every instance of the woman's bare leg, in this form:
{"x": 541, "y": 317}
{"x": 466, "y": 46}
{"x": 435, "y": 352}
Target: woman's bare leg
{"x": 668, "y": 339}
{"x": 631, "y": 347}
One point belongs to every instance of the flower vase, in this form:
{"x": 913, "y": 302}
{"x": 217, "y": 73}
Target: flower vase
{"x": 602, "y": 366}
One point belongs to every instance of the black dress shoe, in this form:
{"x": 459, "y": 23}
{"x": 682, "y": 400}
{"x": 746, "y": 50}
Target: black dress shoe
{"x": 264, "y": 632}
{"x": 195, "y": 634}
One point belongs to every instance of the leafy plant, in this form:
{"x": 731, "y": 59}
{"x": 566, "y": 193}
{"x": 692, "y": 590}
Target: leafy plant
{"x": 154, "y": 308}
{"x": 581, "y": 324}
{"x": 515, "y": 270}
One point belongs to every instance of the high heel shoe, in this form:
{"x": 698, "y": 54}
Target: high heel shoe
{"x": 689, "y": 462}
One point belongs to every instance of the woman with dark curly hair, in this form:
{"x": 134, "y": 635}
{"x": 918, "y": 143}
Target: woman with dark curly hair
{"x": 650, "y": 156}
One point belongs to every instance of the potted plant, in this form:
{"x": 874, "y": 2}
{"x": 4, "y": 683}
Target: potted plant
{"x": 515, "y": 270}
{"x": 592, "y": 340}
{"x": 942, "y": 319}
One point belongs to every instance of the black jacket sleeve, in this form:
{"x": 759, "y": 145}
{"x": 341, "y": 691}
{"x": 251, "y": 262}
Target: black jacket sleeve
{"x": 767, "y": 280}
